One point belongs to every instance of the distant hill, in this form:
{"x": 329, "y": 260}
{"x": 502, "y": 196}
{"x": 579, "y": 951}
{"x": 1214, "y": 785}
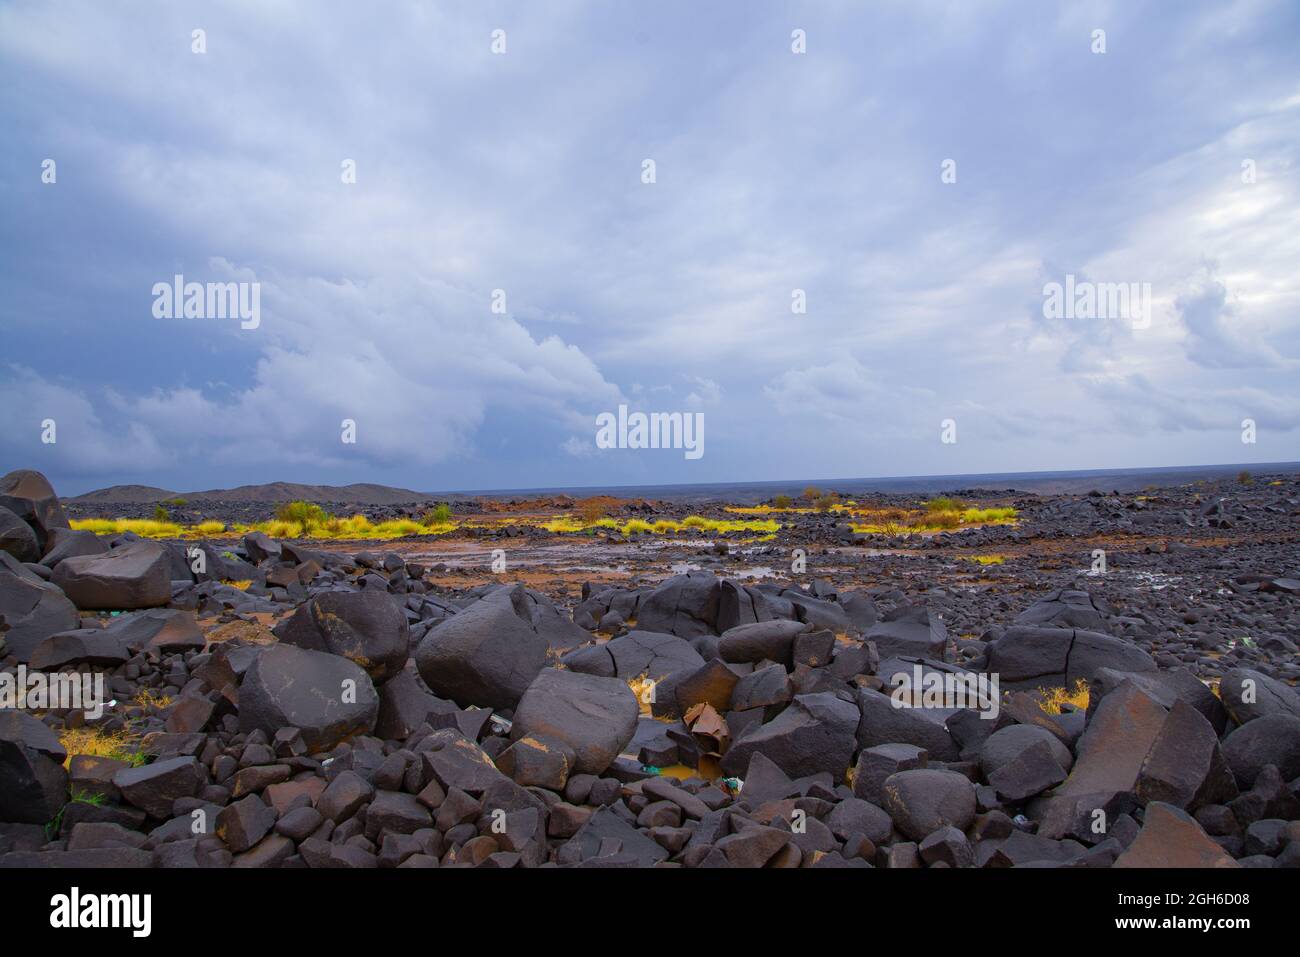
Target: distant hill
{"x": 361, "y": 493}
{"x": 124, "y": 494}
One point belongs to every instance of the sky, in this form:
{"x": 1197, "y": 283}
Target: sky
{"x": 501, "y": 272}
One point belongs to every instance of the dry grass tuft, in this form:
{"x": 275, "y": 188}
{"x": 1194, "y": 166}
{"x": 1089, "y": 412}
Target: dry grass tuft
{"x": 1055, "y": 698}
{"x": 119, "y": 745}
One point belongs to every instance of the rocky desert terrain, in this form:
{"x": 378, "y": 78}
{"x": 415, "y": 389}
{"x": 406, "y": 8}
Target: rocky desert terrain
{"x": 672, "y": 687}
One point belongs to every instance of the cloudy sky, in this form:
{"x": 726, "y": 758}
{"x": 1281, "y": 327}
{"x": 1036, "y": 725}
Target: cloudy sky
{"x": 1173, "y": 158}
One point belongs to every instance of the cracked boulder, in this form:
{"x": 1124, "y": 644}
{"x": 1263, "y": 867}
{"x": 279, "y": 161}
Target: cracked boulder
{"x": 815, "y": 734}
{"x": 1108, "y": 763}
{"x": 1170, "y": 837}
{"x": 594, "y": 716}
{"x": 33, "y": 782}
{"x": 684, "y": 605}
{"x": 29, "y": 495}
{"x": 31, "y": 607}
{"x": 17, "y": 537}
{"x": 367, "y": 627}
{"x": 327, "y": 697}
{"x": 1032, "y": 656}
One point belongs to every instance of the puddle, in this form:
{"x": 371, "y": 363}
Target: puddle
{"x": 1156, "y": 581}
{"x": 710, "y": 769}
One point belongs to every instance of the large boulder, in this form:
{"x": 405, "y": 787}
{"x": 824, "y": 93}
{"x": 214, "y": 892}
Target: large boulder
{"x": 17, "y": 537}
{"x": 652, "y": 655}
{"x": 130, "y": 576}
{"x": 1170, "y": 837}
{"x": 814, "y": 734}
{"x": 163, "y": 630}
{"x": 80, "y": 646}
{"x": 1166, "y": 687}
{"x": 712, "y": 683}
{"x": 594, "y": 716}
{"x": 69, "y": 543}
{"x": 259, "y": 547}
{"x": 154, "y": 788}
{"x": 1004, "y": 746}
{"x": 685, "y": 606}
{"x": 1249, "y": 694}
{"x": 740, "y": 604}
{"x": 366, "y": 627}
{"x": 770, "y": 640}
{"x": 32, "y": 608}
{"x": 404, "y": 706}
{"x": 1066, "y": 608}
{"x": 818, "y": 612}
{"x": 326, "y": 696}
{"x": 29, "y": 495}
{"x": 1273, "y": 739}
{"x": 551, "y": 624}
{"x": 1185, "y": 766}
{"x": 1032, "y": 656}
{"x": 486, "y": 655}
{"x": 664, "y": 660}
{"x": 1108, "y": 762}
{"x": 884, "y": 723}
{"x": 923, "y": 800}
{"x": 33, "y": 782}
{"x": 910, "y": 630}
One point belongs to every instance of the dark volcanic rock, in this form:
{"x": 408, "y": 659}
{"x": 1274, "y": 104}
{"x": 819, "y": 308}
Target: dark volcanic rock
{"x": 1172, "y": 838}
{"x": 1273, "y": 739}
{"x": 28, "y": 495}
{"x": 882, "y": 723}
{"x": 130, "y": 576}
{"x": 815, "y": 734}
{"x": 910, "y": 630}
{"x": 155, "y": 787}
{"x": 685, "y": 606}
{"x": 1108, "y": 762}
{"x": 923, "y": 800}
{"x": 1033, "y": 655}
{"x": 17, "y": 537}
{"x": 486, "y": 655}
{"x": 404, "y": 706}
{"x": 770, "y": 640}
{"x": 594, "y": 716}
{"x": 1249, "y": 694}
{"x": 327, "y": 697}
{"x": 32, "y": 608}
{"x": 69, "y": 543}
{"x": 91, "y": 646}
{"x": 33, "y": 782}
{"x": 366, "y": 627}
{"x": 1065, "y": 608}
{"x": 1185, "y": 766}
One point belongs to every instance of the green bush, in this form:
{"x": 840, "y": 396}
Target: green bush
{"x": 306, "y": 515}
{"x": 438, "y": 515}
